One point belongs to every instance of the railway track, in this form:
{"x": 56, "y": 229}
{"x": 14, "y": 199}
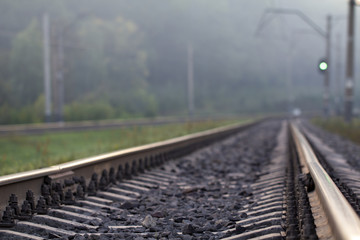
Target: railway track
{"x": 264, "y": 180}
{"x": 40, "y": 128}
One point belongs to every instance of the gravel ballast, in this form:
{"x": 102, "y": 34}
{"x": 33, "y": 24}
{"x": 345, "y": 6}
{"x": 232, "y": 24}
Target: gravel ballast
{"x": 201, "y": 199}
{"x": 208, "y": 192}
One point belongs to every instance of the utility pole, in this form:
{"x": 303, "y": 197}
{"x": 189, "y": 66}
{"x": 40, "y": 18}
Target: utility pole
{"x": 327, "y": 73}
{"x": 349, "y": 84}
{"x": 60, "y": 77}
{"x": 47, "y": 73}
{"x": 289, "y": 80}
{"x": 190, "y": 84}
{"x": 338, "y": 75}
{"x": 54, "y": 68}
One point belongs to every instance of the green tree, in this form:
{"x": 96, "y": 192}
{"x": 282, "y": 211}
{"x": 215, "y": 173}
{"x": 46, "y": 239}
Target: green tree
{"x": 26, "y": 65}
{"x": 113, "y": 68}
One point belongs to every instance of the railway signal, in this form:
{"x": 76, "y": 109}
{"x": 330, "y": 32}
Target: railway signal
{"x": 323, "y": 65}
{"x": 325, "y": 33}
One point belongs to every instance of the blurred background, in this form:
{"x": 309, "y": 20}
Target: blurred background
{"x": 88, "y": 60}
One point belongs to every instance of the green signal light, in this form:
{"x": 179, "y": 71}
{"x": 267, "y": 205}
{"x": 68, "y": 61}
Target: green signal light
{"x": 323, "y": 66}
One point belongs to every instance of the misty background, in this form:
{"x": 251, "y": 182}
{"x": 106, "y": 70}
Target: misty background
{"x": 125, "y": 59}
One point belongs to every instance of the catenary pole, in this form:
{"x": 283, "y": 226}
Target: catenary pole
{"x": 327, "y": 73}
{"x": 326, "y": 34}
{"x": 190, "y": 79}
{"x": 47, "y": 73}
{"x": 349, "y": 84}
{"x": 60, "y": 76}
{"x": 338, "y": 90}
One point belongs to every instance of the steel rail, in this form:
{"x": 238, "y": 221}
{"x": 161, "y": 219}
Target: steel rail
{"x": 343, "y": 220}
{"x": 35, "y": 128}
{"x": 32, "y": 180}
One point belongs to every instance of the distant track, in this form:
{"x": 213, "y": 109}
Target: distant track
{"x": 23, "y": 129}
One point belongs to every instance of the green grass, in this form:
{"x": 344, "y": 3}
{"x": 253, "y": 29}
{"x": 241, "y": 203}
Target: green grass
{"x": 340, "y": 127}
{"x": 28, "y": 152}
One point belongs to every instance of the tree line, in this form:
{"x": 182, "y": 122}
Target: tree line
{"x": 129, "y": 59}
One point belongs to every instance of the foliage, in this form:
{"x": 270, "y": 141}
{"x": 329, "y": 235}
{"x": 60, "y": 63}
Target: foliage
{"x": 21, "y": 153}
{"x": 88, "y": 111}
{"x": 340, "y": 127}
{"x": 130, "y": 58}
{"x": 114, "y": 70}
{"x": 29, "y": 113}
{"x": 26, "y": 65}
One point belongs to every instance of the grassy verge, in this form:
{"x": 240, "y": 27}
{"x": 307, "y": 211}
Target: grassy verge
{"x": 22, "y": 153}
{"x": 339, "y": 127}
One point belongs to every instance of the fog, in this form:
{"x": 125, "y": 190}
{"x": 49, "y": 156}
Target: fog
{"x": 140, "y": 58}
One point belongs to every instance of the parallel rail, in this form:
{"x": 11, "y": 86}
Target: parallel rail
{"x": 344, "y": 222}
{"x": 38, "y": 128}
{"x": 147, "y": 155}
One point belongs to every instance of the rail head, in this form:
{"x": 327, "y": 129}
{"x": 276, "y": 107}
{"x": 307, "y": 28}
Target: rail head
{"x": 121, "y": 162}
{"x": 344, "y": 221}
{"x": 158, "y": 146}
